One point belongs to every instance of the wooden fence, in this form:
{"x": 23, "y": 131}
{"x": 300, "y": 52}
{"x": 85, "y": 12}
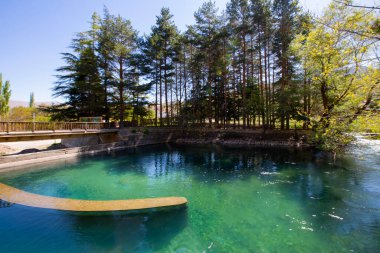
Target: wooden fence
{"x": 8, "y": 127}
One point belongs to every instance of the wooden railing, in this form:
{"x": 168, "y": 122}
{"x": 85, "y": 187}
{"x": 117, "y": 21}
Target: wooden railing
{"x": 9, "y": 127}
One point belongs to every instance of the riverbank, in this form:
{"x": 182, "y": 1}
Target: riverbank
{"x": 137, "y": 137}
{"x": 246, "y": 138}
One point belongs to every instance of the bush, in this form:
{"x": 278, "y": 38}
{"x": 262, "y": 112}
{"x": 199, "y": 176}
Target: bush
{"x": 332, "y": 139}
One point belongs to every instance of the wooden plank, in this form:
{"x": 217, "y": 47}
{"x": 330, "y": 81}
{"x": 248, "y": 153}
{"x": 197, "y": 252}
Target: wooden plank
{"x": 14, "y": 195}
{"x": 15, "y": 126}
{"x": 28, "y": 136}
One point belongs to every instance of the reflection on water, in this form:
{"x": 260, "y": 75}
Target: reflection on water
{"x": 40, "y": 230}
{"x": 4, "y": 204}
{"x": 258, "y": 200}
{"x": 127, "y": 232}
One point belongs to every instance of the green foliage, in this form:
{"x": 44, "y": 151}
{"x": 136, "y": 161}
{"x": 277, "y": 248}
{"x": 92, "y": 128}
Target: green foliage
{"x": 79, "y": 82}
{"x": 334, "y": 138}
{"x": 5, "y": 94}
{"x": 22, "y": 113}
{"x": 261, "y": 64}
{"x": 32, "y": 103}
{"x": 208, "y": 65}
{"x": 340, "y": 73}
{"x": 367, "y": 123}
{"x": 101, "y": 76}
{"x": 160, "y": 56}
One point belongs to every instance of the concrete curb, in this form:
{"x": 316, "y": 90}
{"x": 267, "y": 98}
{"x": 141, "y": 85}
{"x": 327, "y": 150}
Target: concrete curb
{"x": 16, "y": 162}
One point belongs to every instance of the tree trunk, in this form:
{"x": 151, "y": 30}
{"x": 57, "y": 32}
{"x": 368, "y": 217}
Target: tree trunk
{"x": 161, "y": 122}
{"x": 121, "y": 93}
{"x": 185, "y": 87}
{"x": 166, "y": 91}
{"x": 156, "y": 104}
{"x": 261, "y": 83}
{"x": 244, "y": 83}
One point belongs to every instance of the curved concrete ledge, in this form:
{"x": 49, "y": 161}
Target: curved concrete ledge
{"x": 14, "y": 195}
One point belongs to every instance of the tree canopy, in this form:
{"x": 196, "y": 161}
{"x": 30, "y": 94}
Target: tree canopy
{"x": 259, "y": 64}
{"x": 5, "y": 95}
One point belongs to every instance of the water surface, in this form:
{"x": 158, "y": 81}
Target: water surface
{"x": 255, "y": 200}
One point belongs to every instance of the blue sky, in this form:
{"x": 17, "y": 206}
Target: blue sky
{"x": 33, "y": 33}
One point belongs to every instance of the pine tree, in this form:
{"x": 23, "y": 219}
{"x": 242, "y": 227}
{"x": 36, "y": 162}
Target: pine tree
{"x": 161, "y": 44}
{"x": 104, "y": 49}
{"x": 79, "y": 82}
{"x": 124, "y": 46}
{"x": 100, "y": 71}
{"x": 285, "y": 13}
{"x": 207, "y": 64}
{"x": 150, "y": 57}
{"x": 32, "y": 103}
{"x": 239, "y": 21}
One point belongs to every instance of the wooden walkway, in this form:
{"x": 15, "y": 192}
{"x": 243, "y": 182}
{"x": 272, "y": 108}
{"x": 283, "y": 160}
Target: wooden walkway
{"x": 14, "y": 127}
{"x": 46, "y": 135}
{"x": 27, "y": 131}
{"x": 13, "y": 195}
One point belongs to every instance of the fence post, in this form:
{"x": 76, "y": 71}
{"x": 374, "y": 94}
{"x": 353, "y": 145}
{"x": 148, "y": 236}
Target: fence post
{"x": 71, "y": 126}
{"x": 85, "y": 127}
{"x": 8, "y": 127}
{"x": 53, "y": 126}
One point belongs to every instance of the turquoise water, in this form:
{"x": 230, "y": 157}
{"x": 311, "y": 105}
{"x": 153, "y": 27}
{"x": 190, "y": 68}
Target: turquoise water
{"x": 255, "y": 200}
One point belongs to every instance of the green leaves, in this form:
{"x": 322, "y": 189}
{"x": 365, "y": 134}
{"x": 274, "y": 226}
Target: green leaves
{"x": 5, "y": 94}
{"x": 335, "y": 52}
{"x": 100, "y": 71}
{"x": 260, "y": 62}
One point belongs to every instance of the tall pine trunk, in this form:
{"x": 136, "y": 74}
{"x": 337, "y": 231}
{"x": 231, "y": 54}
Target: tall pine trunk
{"x": 121, "y": 93}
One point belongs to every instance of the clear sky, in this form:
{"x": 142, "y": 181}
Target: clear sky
{"x": 33, "y": 33}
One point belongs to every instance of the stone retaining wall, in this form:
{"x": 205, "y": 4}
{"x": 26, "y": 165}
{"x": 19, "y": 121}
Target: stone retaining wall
{"x": 244, "y": 138}
{"x": 135, "y": 137}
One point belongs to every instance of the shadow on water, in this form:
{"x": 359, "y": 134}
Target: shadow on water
{"x": 41, "y": 230}
{"x": 199, "y": 161}
{"x": 130, "y": 233}
{"x": 217, "y": 161}
{"x": 339, "y": 196}
{"x": 5, "y": 204}
{"x": 209, "y": 164}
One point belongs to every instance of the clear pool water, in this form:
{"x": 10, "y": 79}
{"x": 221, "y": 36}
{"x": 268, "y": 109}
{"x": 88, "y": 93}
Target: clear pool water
{"x": 256, "y": 200}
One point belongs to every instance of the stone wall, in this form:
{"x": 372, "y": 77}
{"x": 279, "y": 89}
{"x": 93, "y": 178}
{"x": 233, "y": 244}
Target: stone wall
{"x": 138, "y": 136}
{"x": 91, "y": 140}
{"x": 242, "y": 137}
{"x": 135, "y": 137}
{"x": 19, "y": 161}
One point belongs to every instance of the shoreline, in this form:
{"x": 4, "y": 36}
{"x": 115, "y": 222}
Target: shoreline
{"x": 19, "y": 161}
{"x": 128, "y": 138}
{"x": 23, "y": 161}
